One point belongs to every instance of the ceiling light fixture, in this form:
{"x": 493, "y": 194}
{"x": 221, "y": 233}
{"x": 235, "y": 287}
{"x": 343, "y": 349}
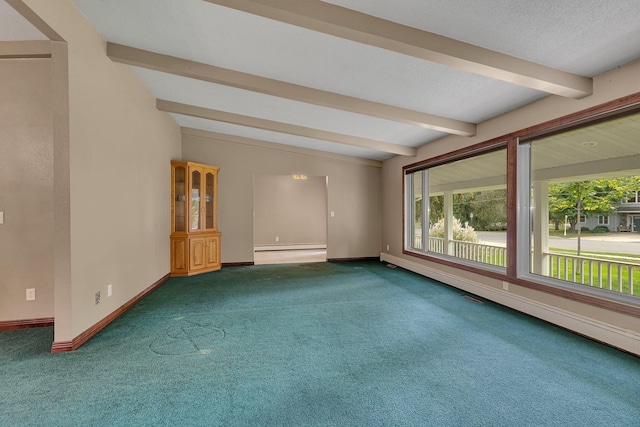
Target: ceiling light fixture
{"x": 299, "y": 176}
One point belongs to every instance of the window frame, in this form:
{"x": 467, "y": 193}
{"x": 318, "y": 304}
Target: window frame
{"x": 408, "y": 214}
{"x": 409, "y": 232}
{"x": 517, "y": 271}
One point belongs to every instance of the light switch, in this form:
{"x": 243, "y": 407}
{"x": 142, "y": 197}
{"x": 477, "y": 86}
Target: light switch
{"x": 1, "y": 217}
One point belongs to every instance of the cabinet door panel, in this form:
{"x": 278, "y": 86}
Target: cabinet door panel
{"x": 179, "y": 255}
{"x": 212, "y": 251}
{"x": 197, "y": 251}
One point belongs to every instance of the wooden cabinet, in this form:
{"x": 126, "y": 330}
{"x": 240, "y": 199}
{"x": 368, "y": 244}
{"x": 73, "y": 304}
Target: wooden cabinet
{"x": 195, "y": 239}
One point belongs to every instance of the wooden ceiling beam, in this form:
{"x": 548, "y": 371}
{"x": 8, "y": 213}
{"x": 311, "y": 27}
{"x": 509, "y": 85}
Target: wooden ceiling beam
{"x": 209, "y": 73}
{"x": 35, "y": 20}
{"x": 286, "y": 128}
{"x": 356, "y": 26}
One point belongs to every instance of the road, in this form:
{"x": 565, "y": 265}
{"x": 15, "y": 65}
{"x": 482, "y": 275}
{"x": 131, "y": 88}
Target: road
{"x": 627, "y": 243}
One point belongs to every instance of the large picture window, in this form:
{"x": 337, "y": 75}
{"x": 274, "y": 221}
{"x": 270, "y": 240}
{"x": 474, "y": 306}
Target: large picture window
{"x": 583, "y": 185}
{"x": 554, "y": 207}
{"x": 465, "y": 217}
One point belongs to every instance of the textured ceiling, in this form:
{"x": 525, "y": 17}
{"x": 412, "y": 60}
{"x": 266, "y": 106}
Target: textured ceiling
{"x": 582, "y": 37}
{"x": 562, "y": 34}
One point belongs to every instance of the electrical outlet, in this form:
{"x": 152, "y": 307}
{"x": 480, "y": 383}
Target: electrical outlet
{"x": 333, "y": 214}
{"x": 31, "y": 294}
{"x": 277, "y": 239}
{"x": 505, "y": 286}
{"x": 387, "y": 248}
{"x": 109, "y": 289}
{"x": 97, "y": 297}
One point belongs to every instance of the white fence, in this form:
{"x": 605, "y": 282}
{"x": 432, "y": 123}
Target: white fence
{"x": 488, "y": 254}
{"x": 617, "y": 276}
{"x": 605, "y": 274}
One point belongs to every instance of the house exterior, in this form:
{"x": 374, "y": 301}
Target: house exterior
{"x": 625, "y": 219}
{"x": 628, "y": 214}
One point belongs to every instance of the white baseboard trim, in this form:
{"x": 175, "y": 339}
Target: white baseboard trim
{"x": 294, "y": 247}
{"x": 624, "y": 339}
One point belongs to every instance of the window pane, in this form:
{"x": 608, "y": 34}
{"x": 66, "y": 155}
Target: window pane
{"x": 180, "y": 198}
{"x": 467, "y": 209}
{"x": 584, "y": 185}
{"x": 195, "y": 200}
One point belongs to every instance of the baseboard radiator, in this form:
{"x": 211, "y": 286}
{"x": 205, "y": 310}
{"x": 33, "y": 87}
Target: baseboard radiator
{"x": 624, "y": 339}
{"x": 290, "y": 247}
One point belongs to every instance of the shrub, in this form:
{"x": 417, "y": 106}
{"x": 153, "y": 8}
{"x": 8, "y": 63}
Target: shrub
{"x": 465, "y": 234}
{"x": 600, "y": 229}
{"x": 584, "y": 229}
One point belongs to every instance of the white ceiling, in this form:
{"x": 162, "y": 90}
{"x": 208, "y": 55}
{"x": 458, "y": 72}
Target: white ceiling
{"x": 584, "y": 37}
{"x": 14, "y": 27}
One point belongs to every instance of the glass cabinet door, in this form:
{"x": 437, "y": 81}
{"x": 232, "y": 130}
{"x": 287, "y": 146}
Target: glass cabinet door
{"x": 209, "y": 200}
{"x": 196, "y": 185}
{"x": 180, "y": 198}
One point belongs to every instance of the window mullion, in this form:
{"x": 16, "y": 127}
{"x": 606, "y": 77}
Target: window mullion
{"x": 425, "y": 210}
{"x": 523, "y": 224}
{"x": 409, "y": 212}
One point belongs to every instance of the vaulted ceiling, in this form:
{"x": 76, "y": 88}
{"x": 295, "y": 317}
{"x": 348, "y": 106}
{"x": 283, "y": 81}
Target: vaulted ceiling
{"x": 366, "y": 78}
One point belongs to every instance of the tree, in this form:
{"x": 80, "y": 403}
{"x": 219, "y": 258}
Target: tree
{"x": 488, "y": 207}
{"x": 436, "y": 209}
{"x": 418, "y": 211}
{"x": 588, "y": 198}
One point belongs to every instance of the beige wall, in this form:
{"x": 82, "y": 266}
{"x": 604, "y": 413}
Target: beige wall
{"x": 607, "y": 87}
{"x": 26, "y": 189}
{"x": 353, "y": 193}
{"x": 293, "y": 210}
{"x": 115, "y": 202}
{"x": 119, "y": 177}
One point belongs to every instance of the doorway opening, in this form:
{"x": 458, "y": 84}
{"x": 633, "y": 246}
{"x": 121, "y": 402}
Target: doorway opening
{"x": 290, "y": 219}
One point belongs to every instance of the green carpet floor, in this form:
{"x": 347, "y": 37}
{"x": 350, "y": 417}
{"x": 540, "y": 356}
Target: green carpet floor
{"x": 353, "y": 344}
